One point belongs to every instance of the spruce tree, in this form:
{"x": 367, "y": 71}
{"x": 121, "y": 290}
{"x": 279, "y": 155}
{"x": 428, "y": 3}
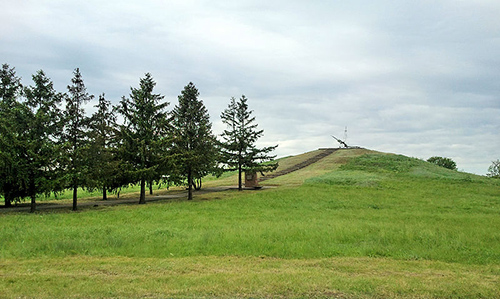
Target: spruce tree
{"x": 103, "y": 163}
{"x": 10, "y": 87}
{"x": 10, "y": 129}
{"x": 75, "y": 134}
{"x": 144, "y": 134}
{"x": 193, "y": 140}
{"x": 238, "y": 149}
{"x": 40, "y": 139}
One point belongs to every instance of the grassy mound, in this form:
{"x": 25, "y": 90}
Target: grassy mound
{"x": 356, "y": 224}
{"x": 370, "y": 169}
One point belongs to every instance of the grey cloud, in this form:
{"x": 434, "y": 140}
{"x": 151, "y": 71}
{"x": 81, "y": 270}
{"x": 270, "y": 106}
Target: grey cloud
{"x": 417, "y": 78}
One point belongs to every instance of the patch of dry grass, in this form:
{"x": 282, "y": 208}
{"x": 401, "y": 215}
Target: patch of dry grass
{"x": 244, "y": 277}
{"x": 326, "y": 165}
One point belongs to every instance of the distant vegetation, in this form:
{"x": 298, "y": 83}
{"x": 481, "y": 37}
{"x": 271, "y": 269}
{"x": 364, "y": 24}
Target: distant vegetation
{"x": 494, "y": 169}
{"x": 443, "y": 162}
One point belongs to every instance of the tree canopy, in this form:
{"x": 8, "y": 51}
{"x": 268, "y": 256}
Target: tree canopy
{"x": 103, "y": 161}
{"x": 193, "y": 141}
{"x": 11, "y": 187}
{"x": 238, "y": 148}
{"x": 494, "y": 169}
{"x": 443, "y": 162}
{"x": 143, "y": 134}
{"x": 75, "y": 134}
{"x": 48, "y": 144}
{"x": 41, "y": 149}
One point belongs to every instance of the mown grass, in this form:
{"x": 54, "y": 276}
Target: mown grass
{"x": 244, "y": 277}
{"x": 376, "y": 226}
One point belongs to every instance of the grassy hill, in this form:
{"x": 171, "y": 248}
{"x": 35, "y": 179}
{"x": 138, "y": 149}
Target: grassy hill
{"x": 356, "y": 224}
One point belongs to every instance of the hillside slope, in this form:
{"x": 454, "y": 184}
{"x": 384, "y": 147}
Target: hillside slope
{"x": 355, "y": 224}
{"x": 325, "y": 165}
{"x": 345, "y": 165}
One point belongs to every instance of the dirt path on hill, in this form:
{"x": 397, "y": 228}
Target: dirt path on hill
{"x": 324, "y": 152}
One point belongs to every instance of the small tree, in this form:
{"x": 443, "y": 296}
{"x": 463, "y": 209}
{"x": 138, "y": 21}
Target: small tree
{"x": 239, "y": 151}
{"x": 193, "y": 140}
{"x": 494, "y": 170}
{"x": 75, "y": 134}
{"x": 104, "y": 165}
{"x": 443, "y": 162}
{"x": 144, "y": 133}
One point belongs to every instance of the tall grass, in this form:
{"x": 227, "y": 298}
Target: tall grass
{"x": 404, "y": 219}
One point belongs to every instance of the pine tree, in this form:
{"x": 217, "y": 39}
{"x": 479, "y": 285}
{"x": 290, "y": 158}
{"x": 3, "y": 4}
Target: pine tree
{"x": 144, "y": 134}
{"x": 239, "y": 151}
{"x": 75, "y": 134}
{"x": 193, "y": 140}
{"x": 10, "y": 87}
{"x": 40, "y": 139}
{"x": 10, "y": 129}
{"x": 103, "y": 163}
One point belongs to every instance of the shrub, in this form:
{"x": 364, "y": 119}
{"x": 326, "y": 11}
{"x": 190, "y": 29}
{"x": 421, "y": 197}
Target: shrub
{"x": 443, "y": 162}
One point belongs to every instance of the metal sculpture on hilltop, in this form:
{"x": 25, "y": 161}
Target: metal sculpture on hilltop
{"x": 343, "y": 143}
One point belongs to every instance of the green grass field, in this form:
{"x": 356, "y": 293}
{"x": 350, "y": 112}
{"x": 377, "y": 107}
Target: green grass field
{"x": 357, "y": 224}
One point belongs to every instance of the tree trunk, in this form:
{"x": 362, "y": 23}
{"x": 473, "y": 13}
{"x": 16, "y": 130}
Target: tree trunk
{"x": 240, "y": 186}
{"x": 104, "y": 193}
{"x": 150, "y": 188}
{"x": 142, "y": 198}
{"x": 8, "y": 202}
{"x": 33, "y": 204}
{"x": 75, "y": 196}
{"x": 190, "y": 186}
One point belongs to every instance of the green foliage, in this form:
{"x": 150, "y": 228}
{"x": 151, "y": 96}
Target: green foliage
{"x": 11, "y": 187}
{"x": 104, "y": 165}
{"x": 40, "y": 140}
{"x": 29, "y": 135}
{"x": 494, "y": 170}
{"x": 10, "y": 87}
{"x": 75, "y": 137}
{"x": 238, "y": 149}
{"x": 443, "y": 162}
{"x": 144, "y": 137}
{"x": 193, "y": 141}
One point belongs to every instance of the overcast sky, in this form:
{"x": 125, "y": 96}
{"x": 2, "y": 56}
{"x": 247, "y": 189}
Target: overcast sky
{"x": 419, "y": 78}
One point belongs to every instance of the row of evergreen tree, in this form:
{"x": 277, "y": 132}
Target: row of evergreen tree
{"x": 48, "y": 144}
